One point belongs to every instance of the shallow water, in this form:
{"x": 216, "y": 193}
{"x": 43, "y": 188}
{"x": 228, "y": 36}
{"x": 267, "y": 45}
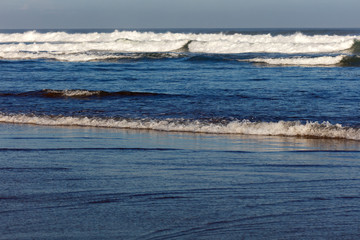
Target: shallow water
{"x": 81, "y": 183}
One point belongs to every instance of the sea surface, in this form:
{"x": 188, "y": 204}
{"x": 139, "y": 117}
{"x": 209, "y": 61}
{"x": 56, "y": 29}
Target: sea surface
{"x": 180, "y": 134}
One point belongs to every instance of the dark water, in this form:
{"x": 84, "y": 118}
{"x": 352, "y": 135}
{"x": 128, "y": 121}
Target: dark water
{"x": 180, "y": 134}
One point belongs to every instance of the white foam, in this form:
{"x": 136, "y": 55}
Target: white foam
{"x": 307, "y": 61}
{"x": 76, "y": 57}
{"x": 118, "y": 46}
{"x": 73, "y": 93}
{"x": 290, "y": 47}
{"x": 281, "y": 128}
{"x": 80, "y": 57}
{"x": 33, "y": 44}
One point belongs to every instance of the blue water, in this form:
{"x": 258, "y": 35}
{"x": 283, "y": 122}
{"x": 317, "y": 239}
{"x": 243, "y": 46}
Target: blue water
{"x": 179, "y": 134}
{"x": 182, "y": 89}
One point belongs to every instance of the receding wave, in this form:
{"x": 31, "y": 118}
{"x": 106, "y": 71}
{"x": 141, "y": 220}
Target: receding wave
{"x": 79, "y": 93}
{"x": 246, "y": 127}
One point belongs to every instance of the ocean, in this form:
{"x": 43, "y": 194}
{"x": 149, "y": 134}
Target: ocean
{"x": 180, "y": 134}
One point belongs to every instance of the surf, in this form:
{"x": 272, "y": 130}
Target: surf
{"x": 62, "y": 46}
{"x": 240, "y": 127}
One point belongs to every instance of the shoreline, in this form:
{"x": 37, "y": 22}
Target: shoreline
{"x": 182, "y": 140}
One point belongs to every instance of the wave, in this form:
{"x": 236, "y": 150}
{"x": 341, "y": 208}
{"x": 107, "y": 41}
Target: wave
{"x": 215, "y": 46}
{"x": 350, "y": 61}
{"x": 63, "y": 46}
{"x": 79, "y": 93}
{"x": 306, "y": 61}
{"x": 340, "y": 60}
{"x": 185, "y": 47}
{"x": 244, "y": 127}
{"x": 89, "y": 56}
{"x": 355, "y": 48}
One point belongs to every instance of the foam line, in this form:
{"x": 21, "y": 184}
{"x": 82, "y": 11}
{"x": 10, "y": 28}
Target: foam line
{"x": 281, "y": 128}
{"x": 307, "y": 61}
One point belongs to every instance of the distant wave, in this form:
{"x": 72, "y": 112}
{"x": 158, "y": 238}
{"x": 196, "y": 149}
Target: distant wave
{"x": 307, "y": 61}
{"x": 79, "y": 93}
{"x": 61, "y": 46}
{"x": 355, "y": 48}
{"x": 91, "y": 56}
{"x": 246, "y": 127}
{"x": 350, "y": 61}
{"x": 340, "y": 60}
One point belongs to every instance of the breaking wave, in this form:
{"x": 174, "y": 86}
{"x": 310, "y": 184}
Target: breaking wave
{"x": 245, "y": 127}
{"x": 340, "y": 60}
{"x": 306, "y": 61}
{"x": 350, "y": 61}
{"x": 90, "y": 56}
{"x": 355, "y": 48}
{"x": 62, "y": 46}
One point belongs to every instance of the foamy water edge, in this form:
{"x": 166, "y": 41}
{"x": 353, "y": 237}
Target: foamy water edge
{"x": 243, "y": 127}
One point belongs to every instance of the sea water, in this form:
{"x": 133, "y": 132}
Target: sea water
{"x": 180, "y": 134}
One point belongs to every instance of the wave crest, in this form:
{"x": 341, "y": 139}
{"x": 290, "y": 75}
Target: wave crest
{"x": 355, "y": 48}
